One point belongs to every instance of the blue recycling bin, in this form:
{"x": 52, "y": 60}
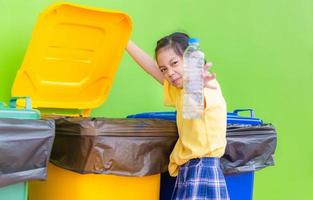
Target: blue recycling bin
{"x": 240, "y": 186}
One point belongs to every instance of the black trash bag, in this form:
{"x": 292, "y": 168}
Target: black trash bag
{"x": 127, "y": 147}
{"x": 140, "y": 147}
{"x": 249, "y": 148}
{"x": 25, "y": 147}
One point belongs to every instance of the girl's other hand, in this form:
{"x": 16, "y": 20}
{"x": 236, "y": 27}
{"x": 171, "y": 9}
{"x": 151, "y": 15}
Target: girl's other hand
{"x": 208, "y": 76}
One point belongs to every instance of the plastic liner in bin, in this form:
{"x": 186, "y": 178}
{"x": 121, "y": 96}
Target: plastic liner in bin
{"x": 249, "y": 148}
{"x": 25, "y": 147}
{"x": 127, "y": 147}
{"x": 140, "y": 147}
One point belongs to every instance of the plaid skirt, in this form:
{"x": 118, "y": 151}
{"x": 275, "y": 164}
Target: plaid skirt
{"x": 200, "y": 179}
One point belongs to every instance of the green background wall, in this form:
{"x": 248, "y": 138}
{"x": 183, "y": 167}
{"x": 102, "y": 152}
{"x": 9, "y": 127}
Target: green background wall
{"x": 262, "y": 52}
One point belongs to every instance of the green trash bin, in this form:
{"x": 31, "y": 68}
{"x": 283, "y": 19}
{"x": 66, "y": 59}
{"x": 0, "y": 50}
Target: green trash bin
{"x": 21, "y": 134}
{"x": 16, "y": 191}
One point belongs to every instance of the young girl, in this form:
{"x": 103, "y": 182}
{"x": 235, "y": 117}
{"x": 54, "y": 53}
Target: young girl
{"x": 195, "y": 157}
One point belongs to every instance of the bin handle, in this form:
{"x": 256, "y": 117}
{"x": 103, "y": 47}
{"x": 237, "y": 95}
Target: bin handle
{"x": 243, "y": 110}
{"x": 28, "y": 103}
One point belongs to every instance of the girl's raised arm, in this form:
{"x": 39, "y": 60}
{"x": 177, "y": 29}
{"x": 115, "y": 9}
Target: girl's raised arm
{"x": 144, "y": 61}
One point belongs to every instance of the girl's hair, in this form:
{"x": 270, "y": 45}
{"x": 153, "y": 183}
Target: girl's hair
{"x": 177, "y": 41}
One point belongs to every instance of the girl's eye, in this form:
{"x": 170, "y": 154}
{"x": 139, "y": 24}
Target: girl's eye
{"x": 175, "y": 63}
{"x": 163, "y": 69}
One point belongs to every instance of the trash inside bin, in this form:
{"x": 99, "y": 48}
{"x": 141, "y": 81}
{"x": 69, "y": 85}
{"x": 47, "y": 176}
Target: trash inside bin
{"x": 25, "y": 146}
{"x": 125, "y": 147}
{"x": 25, "y": 149}
{"x": 250, "y": 147}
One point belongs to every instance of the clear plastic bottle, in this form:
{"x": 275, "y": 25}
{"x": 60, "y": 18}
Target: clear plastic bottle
{"x": 193, "y": 100}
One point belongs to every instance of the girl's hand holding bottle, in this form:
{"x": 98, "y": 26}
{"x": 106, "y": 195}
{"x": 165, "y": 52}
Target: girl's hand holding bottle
{"x": 208, "y": 76}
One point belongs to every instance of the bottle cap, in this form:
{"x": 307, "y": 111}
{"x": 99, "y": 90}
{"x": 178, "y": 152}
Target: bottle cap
{"x": 193, "y": 40}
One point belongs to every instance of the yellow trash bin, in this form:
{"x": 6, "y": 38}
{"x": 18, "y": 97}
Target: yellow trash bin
{"x": 70, "y": 64}
{"x": 66, "y": 185}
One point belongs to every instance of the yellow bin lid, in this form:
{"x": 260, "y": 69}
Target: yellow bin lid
{"x": 72, "y": 57}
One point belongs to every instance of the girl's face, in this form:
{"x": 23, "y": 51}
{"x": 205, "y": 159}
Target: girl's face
{"x": 171, "y": 65}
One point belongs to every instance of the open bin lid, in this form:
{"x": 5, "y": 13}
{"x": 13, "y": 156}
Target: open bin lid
{"x": 72, "y": 57}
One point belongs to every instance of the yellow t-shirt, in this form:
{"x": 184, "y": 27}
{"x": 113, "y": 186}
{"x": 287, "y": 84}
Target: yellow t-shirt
{"x": 204, "y": 137}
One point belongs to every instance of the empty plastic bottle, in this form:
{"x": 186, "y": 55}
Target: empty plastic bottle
{"x": 193, "y": 100}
